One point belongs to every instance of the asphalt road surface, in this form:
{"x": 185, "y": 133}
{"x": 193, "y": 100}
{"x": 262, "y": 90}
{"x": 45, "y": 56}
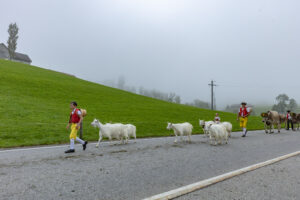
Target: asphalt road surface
{"x": 280, "y": 181}
{"x": 141, "y": 169}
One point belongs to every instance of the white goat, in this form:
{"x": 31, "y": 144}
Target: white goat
{"x": 117, "y": 131}
{"x": 228, "y": 127}
{"x": 131, "y": 131}
{"x": 204, "y": 125}
{"x": 181, "y": 129}
{"x": 217, "y": 132}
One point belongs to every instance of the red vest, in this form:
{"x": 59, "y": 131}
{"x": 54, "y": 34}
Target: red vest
{"x": 287, "y": 116}
{"x": 74, "y": 118}
{"x": 243, "y": 112}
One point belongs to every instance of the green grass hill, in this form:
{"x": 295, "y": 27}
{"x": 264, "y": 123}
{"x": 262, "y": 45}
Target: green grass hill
{"x": 34, "y": 108}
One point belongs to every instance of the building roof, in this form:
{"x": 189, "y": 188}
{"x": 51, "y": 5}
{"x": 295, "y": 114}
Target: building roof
{"x": 3, "y": 51}
{"x": 18, "y": 56}
{"x": 24, "y": 57}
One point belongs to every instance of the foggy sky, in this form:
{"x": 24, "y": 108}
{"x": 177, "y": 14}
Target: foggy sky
{"x": 251, "y": 48}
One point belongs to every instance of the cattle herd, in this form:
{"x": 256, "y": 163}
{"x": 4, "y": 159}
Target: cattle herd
{"x": 272, "y": 118}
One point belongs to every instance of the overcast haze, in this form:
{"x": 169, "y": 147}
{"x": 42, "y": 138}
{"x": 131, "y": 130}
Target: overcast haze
{"x": 250, "y": 48}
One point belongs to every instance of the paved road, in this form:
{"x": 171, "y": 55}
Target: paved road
{"x": 280, "y": 181}
{"x": 132, "y": 171}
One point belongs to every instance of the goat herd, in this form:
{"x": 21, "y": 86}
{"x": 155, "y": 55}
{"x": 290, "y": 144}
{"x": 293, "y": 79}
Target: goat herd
{"x": 217, "y": 132}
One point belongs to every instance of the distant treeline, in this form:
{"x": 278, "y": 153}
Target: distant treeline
{"x": 153, "y": 93}
{"x": 283, "y": 102}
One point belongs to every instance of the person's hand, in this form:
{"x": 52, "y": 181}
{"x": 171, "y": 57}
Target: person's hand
{"x": 237, "y": 119}
{"x": 68, "y": 126}
{"x": 78, "y": 126}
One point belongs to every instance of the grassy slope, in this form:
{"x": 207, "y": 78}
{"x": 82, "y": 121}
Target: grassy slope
{"x": 34, "y": 107}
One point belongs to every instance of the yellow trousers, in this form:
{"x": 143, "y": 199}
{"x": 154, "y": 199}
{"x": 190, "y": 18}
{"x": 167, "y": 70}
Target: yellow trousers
{"x": 74, "y": 131}
{"x": 243, "y": 122}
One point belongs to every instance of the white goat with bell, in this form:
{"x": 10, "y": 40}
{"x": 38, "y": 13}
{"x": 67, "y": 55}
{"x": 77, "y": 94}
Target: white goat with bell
{"x": 110, "y": 131}
{"x": 218, "y": 133}
{"x": 181, "y": 130}
{"x": 204, "y": 125}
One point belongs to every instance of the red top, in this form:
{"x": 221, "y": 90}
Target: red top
{"x": 74, "y": 117}
{"x": 243, "y": 112}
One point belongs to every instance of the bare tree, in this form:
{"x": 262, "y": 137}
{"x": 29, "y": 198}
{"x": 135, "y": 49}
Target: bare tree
{"x": 177, "y": 99}
{"x": 171, "y": 96}
{"x": 12, "y": 39}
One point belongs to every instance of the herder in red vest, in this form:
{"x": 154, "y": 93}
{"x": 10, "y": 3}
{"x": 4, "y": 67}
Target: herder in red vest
{"x": 75, "y": 120}
{"x": 243, "y": 114}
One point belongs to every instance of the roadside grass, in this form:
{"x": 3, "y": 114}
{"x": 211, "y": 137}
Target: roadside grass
{"x": 34, "y": 108}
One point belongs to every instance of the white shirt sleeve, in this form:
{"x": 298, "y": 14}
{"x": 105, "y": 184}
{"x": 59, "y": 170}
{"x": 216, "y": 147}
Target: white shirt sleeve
{"x": 248, "y": 109}
{"x": 78, "y": 112}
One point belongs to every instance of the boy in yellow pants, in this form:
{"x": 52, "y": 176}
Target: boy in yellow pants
{"x": 243, "y": 114}
{"x": 75, "y": 120}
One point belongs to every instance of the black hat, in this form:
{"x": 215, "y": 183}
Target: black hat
{"x": 243, "y": 103}
{"x": 74, "y": 103}
{"x": 288, "y": 111}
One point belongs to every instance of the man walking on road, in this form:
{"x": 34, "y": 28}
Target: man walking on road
{"x": 243, "y": 114}
{"x": 75, "y": 120}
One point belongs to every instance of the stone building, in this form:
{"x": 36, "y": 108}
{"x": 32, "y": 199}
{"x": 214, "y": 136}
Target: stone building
{"x": 19, "y": 57}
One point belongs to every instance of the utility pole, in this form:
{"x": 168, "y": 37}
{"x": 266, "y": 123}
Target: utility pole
{"x": 212, "y": 94}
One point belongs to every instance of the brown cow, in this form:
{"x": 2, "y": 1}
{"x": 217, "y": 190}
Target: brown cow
{"x": 266, "y": 121}
{"x": 296, "y": 119}
{"x": 270, "y": 119}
